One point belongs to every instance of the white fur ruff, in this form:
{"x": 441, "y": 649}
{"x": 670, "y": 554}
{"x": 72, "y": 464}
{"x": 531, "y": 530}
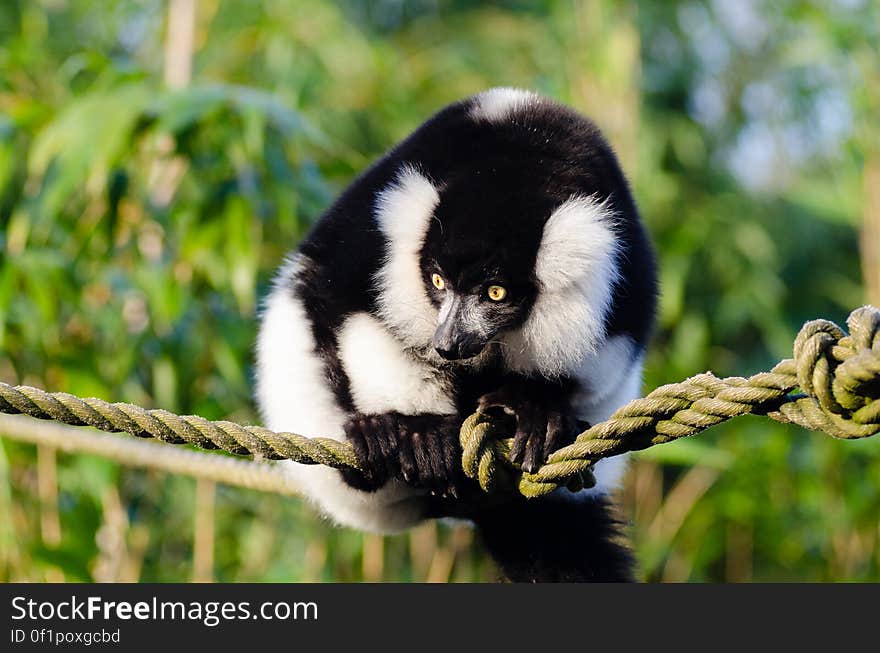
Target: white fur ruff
{"x": 577, "y": 270}
{"x": 403, "y": 213}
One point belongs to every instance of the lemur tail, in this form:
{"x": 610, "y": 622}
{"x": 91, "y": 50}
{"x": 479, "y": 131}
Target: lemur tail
{"x": 574, "y": 539}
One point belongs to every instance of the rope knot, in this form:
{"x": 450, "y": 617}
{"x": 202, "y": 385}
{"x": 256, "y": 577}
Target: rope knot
{"x": 486, "y": 459}
{"x": 485, "y": 454}
{"x": 840, "y": 372}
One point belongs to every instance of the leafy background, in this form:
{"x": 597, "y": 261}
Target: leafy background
{"x": 149, "y": 188}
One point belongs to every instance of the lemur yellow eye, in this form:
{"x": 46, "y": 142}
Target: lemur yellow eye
{"x": 496, "y": 293}
{"x": 438, "y": 282}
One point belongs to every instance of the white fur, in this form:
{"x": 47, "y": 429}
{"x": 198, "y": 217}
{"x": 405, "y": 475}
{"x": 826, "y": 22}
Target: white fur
{"x": 577, "y": 269}
{"x": 294, "y": 396}
{"x": 499, "y": 104}
{"x": 384, "y": 377}
{"x": 602, "y": 374}
{"x": 403, "y": 212}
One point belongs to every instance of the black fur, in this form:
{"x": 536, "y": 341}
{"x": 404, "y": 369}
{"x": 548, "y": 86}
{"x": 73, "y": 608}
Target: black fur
{"x": 556, "y": 540}
{"x": 499, "y": 183}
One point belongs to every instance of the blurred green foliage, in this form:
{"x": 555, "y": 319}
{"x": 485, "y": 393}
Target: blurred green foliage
{"x": 139, "y": 226}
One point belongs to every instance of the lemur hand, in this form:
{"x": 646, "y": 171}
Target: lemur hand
{"x": 544, "y": 422}
{"x": 422, "y": 450}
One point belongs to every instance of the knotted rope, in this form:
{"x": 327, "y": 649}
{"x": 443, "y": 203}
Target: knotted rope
{"x": 838, "y": 374}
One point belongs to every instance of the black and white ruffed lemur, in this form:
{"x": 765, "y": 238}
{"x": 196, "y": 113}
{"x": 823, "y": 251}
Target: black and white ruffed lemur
{"x": 493, "y": 260}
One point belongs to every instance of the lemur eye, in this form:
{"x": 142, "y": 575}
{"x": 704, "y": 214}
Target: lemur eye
{"x": 438, "y": 282}
{"x": 496, "y": 293}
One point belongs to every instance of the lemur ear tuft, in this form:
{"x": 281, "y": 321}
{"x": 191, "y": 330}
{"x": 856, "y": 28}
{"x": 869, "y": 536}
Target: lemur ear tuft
{"x": 499, "y": 104}
{"x": 404, "y": 208}
{"x": 403, "y": 213}
{"x": 578, "y": 243}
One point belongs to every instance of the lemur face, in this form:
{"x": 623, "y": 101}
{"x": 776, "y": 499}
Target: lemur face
{"x": 475, "y": 304}
{"x": 479, "y": 255}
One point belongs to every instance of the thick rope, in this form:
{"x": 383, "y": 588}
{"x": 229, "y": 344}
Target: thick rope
{"x": 838, "y": 374}
{"x": 250, "y": 474}
{"x": 174, "y": 429}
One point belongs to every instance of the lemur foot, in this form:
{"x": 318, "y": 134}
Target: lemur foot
{"x": 544, "y": 422}
{"x": 422, "y": 450}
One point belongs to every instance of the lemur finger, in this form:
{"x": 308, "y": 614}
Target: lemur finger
{"x": 405, "y": 456}
{"x": 371, "y": 427}
{"x": 366, "y": 428}
{"x": 452, "y": 461}
{"x": 451, "y": 450}
{"x": 382, "y": 445}
{"x": 518, "y": 448}
{"x": 420, "y": 454}
{"x": 386, "y": 438}
{"x": 524, "y": 429}
{"x": 557, "y": 434}
{"x": 534, "y": 454}
{"x": 360, "y": 480}
{"x": 435, "y": 458}
{"x": 355, "y": 436}
{"x": 534, "y": 429}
